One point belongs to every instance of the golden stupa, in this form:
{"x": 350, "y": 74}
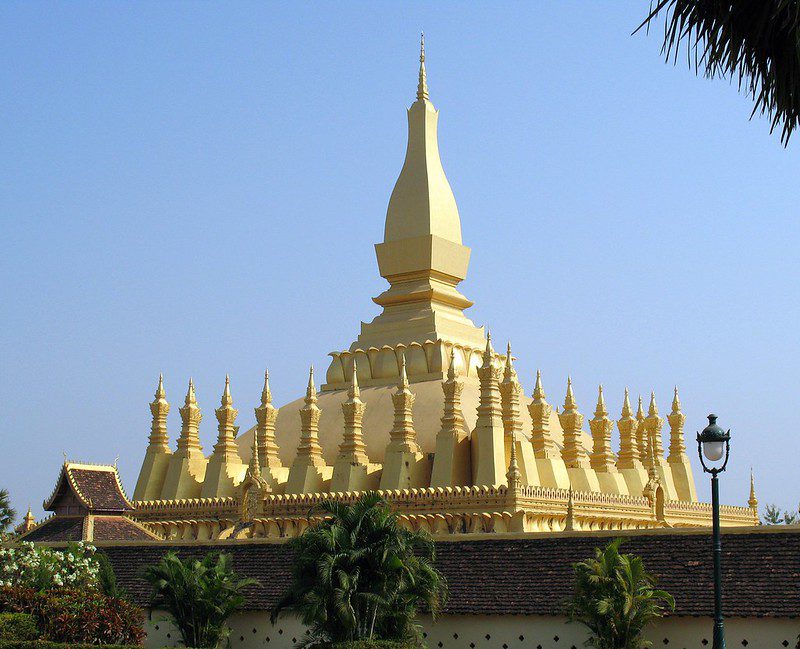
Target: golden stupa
{"x": 422, "y": 408}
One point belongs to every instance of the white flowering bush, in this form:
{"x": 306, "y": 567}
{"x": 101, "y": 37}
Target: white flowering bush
{"x": 42, "y": 568}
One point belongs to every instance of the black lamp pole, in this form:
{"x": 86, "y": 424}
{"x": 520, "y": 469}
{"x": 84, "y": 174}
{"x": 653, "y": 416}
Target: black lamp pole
{"x": 710, "y": 443}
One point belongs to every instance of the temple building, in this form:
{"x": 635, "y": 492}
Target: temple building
{"x": 423, "y": 408}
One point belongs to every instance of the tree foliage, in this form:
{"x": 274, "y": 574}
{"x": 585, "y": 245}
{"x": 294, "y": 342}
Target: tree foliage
{"x": 199, "y": 594}
{"x": 7, "y": 512}
{"x": 774, "y": 516}
{"x": 755, "y": 43}
{"x": 359, "y": 575}
{"x": 616, "y": 599}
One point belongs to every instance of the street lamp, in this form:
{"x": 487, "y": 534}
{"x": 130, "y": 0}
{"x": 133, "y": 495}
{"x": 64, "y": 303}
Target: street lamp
{"x": 713, "y": 443}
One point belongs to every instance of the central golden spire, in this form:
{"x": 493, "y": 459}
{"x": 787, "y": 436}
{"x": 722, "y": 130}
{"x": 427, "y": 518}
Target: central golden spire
{"x": 421, "y": 255}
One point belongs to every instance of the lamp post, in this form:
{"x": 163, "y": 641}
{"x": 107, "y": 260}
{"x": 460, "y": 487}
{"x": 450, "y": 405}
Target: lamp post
{"x": 713, "y": 443}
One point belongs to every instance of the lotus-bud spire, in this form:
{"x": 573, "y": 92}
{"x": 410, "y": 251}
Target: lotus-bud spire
{"x": 677, "y": 446}
{"x": 159, "y": 408}
{"x": 266, "y": 414}
{"x": 574, "y": 454}
{"x": 629, "y": 449}
{"x": 190, "y": 421}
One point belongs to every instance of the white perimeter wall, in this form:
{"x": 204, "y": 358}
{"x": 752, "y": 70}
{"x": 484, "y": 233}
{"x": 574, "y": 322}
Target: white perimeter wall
{"x": 254, "y": 631}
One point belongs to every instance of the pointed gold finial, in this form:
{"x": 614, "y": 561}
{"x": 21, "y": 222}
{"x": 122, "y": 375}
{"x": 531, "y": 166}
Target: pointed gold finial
{"x": 569, "y": 522}
{"x": 538, "y": 390}
{"x": 403, "y": 374}
{"x": 514, "y": 475}
{"x": 227, "y": 400}
{"x": 255, "y": 464}
{"x": 753, "y": 502}
{"x": 160, "y": 392}
{"x": 451, "y": 371}
{"x": 569, "y": 400}
{"x": 488, "y": 352}
{"x": 266, "y": 393}
{"x": 509, "y": 374}
{"x": 191, "y": 398}
{"x": 676, "y": 402}
{"x": 311, "y": 390}
{"x": 640, "y": 409}
{"x": 354, "y": 392}
{"x": 653, "y": 410}
{"x": 626, "y": 405}
{"x": 600, "y": 410}
{"x": 422, "y": 85}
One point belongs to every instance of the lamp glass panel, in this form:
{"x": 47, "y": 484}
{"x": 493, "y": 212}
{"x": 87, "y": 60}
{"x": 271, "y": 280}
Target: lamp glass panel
{"x": 713, "y": 450}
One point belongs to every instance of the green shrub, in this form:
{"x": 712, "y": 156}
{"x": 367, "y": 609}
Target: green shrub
{"x": 199, "y": 594}
{"x": 46, "y": 644}
{"x": 77, "y": 616}
{"x": 17, "y": 626}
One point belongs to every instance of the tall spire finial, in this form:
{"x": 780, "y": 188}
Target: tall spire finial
{"x": 403, "y": 373}
{"x": 266, "y": 393}
{"x": 354, "y": 392}
{"x": 753, "y": 502}
{"x": 451, "y": 371}
{"x": 538, "y": 390}
{"x": 311, "y": 390}
{"x": 227, "y": 400}
{"x": 160, "y": 393}
{"x": 422, "y": 86}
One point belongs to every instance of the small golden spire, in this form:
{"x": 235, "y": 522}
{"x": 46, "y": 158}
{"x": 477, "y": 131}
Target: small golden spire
{"x": 255, "y": 464}
{"x": 510, "y": 374}
{"x": 403, "y": 374}
{"x": 354, "y": 392}
{"x": 160, "y": 392}
{"x": 676, "y": 402}
{"x": 514, "y": 476}
{"x": 538, "y": 390}
{"x": 451, "y": 371}
{"x": 422, "y": 85}
{"x": 626, "y": 405}
{"x": 191, "y": 398}
{"x": 227, "y": 399}
{"x": 569, "y": 522}
{"x": 640, "y": 410}
{"x": 653, "y": 410}
{"x": 569, "y": 400}
{"x": 266, "y": 393}
{"x": 311, "y": 390}
{"x": 488, "y": 352}
{"x": 753, "y": 502}
{"x": 600, "y": 410}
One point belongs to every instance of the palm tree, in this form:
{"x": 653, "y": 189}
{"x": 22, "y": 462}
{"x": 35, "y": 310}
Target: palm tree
{"x": 358, "y": 574}
{"x": 200, "y": 594}
{"x": 7, "y": 512}
{"x": 616, "y": 599}
{"x": 756, "y": 43}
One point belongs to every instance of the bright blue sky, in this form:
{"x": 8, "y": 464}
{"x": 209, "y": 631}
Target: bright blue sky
{"x": 195, "y": 188}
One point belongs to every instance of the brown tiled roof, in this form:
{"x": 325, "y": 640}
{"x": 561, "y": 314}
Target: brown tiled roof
{"x": 97, "y": 487}
{"x": 119, "y": 528}
{"x": 57, "y": 529}
{"x": 532, "y": 576}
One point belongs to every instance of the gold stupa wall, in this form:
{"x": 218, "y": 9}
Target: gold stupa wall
{"x": 422, "y": 408}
